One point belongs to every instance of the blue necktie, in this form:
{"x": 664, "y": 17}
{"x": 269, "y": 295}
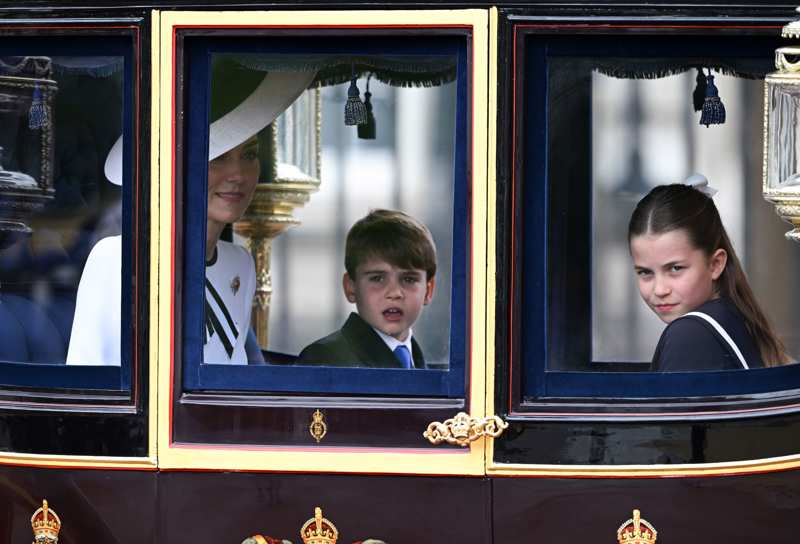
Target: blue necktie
{"x": 404, "y": 356}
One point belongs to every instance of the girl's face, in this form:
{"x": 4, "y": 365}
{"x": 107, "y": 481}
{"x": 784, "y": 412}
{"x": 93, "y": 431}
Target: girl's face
{"x": 674, "y": 276}
{"x": 232, "y": 178}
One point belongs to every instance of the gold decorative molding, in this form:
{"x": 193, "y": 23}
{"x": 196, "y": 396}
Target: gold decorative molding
{"x": 309, "y": 457}
{"x": 318, "y": 427}
{"x": 463, "y": 429}
{"x": 270, "y": 214}
{"x": 636, "y": 531}
{"x": 684, "y": 470}
{"x": 46, "y": 525}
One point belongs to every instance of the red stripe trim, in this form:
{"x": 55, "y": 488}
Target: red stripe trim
{"x": 659, "y": 415}
{"x": 136, "y": 179}
{"x": 514, "y": 239}
{"x": 468, "y": 366}
{"x": 172, "y": 244}
{"x": 512, "y": 282}
{"x": 384, "y": 26}
{"x": 317, "y": 449}
{"x": 600, "y": 26}
{"x": 65, "y": 27}
{"x": 77, "y": 466}
{"x": 689, "y": 473}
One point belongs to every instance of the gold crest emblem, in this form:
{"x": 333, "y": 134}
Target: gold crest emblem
{"x": 316, "y": 530}
{"x": 318, "y": 427}
{"x": 46, "y": 525}
{"x": 235, "y": 282}
{"x": 319, "y": 530}
{"x": 636, "y": 531}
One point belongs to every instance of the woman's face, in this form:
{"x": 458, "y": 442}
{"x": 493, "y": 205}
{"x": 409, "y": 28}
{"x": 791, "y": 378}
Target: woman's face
{"x": 232, "y": 178}
{"x": 674, "y": 276}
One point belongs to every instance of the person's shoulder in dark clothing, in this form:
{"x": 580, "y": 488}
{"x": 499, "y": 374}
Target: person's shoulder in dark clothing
{"x": 356, "y": 344}
{"x": 691, "y": 343}
{"x": 331, "y": 350}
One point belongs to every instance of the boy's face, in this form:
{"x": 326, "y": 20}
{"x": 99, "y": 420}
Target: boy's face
{"x": 389, "y": 298}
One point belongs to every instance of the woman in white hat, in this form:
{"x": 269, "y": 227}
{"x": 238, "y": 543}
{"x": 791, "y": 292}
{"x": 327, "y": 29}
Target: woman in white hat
{"x": 239, "y": 113}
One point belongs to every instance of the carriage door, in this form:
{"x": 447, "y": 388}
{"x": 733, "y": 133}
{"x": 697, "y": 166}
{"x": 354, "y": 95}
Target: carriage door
{"x": 602, "y": 112}
{"x": 302, "y": 405}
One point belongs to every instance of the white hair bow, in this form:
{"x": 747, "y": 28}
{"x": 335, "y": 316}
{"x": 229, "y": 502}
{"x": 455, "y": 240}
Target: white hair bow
{"x": 700, "y": 182}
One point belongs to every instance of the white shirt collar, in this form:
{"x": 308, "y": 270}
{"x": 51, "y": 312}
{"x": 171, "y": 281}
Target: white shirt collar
{"x": 392, "y": 342}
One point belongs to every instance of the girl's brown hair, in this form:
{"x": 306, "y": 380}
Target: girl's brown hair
{"x": 672, "y": 207}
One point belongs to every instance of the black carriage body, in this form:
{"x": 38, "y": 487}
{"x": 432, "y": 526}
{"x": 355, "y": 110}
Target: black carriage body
{"x": 141, "y": 455}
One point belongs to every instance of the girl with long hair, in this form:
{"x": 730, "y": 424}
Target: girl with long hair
{"x": 689, "y": 275}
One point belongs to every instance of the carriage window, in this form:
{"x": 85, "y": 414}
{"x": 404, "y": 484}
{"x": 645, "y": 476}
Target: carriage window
{"x": 664, "y": 142}
{"x": 618, "y": 126}
{"x": 62, "y": 208}
{"x": 334, "y": 212}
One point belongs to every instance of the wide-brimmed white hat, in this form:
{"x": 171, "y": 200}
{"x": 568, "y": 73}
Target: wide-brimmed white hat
{"x": 276, "y": 92}
{"x": 271, "y": 97}
{"x": 113, "y": 166}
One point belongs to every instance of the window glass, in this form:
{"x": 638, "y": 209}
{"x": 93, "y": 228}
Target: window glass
{"x": 334, "y": 134}
{"x": 653, "y": 123}
{"x": 619, "y": 125}
{"x": 62, "y": 108}
{"x": 409, "y": 168}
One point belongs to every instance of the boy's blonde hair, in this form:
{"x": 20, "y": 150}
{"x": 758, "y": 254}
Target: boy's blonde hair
{"x": 392, "y": 236}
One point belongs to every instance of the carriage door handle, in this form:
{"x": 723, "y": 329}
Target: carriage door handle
{"x": 463, "y": 429}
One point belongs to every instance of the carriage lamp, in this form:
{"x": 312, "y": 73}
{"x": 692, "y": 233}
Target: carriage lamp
{"x": 292, "y": 174}
{"x": 26, "y": 142}
{"x": 782, "y": 133}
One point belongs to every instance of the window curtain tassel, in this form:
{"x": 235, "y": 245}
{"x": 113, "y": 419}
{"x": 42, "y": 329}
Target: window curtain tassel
{"x": 713, "y": 108}
{"x": 37, "y": 115}
{"x": 699, "y": 94}
{"x": 366, "y": 131}
{"x": 355, "y": 112}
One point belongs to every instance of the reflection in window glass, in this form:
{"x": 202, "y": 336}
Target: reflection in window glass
{"x": 60, "y": 117}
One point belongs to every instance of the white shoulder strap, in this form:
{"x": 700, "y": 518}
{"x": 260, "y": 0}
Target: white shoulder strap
{"x": 723, "y": 333}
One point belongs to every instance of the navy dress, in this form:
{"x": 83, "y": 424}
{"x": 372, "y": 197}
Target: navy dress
{"x": 691, "y": 343}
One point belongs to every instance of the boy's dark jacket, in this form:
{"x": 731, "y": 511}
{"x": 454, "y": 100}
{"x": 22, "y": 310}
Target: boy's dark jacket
{"x": 355, "y": 344}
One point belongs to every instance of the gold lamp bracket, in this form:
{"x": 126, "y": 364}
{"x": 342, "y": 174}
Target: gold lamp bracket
{"x": 463, "y": 429}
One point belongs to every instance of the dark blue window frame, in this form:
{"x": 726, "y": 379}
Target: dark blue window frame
{"x": 78, "y": 377}
{"x": 537, "y": 336}
{"x": 303, "y": 379}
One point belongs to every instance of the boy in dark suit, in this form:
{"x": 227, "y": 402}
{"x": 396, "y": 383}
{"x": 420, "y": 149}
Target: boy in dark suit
{"x": 390, "y": 263}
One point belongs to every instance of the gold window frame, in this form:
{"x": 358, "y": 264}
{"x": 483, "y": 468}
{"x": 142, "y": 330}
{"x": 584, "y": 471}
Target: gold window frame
{"x": 465, "y": 461}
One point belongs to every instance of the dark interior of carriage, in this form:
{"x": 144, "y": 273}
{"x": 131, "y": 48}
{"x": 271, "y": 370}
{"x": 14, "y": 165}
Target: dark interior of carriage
{"x": 55, "y": 199}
